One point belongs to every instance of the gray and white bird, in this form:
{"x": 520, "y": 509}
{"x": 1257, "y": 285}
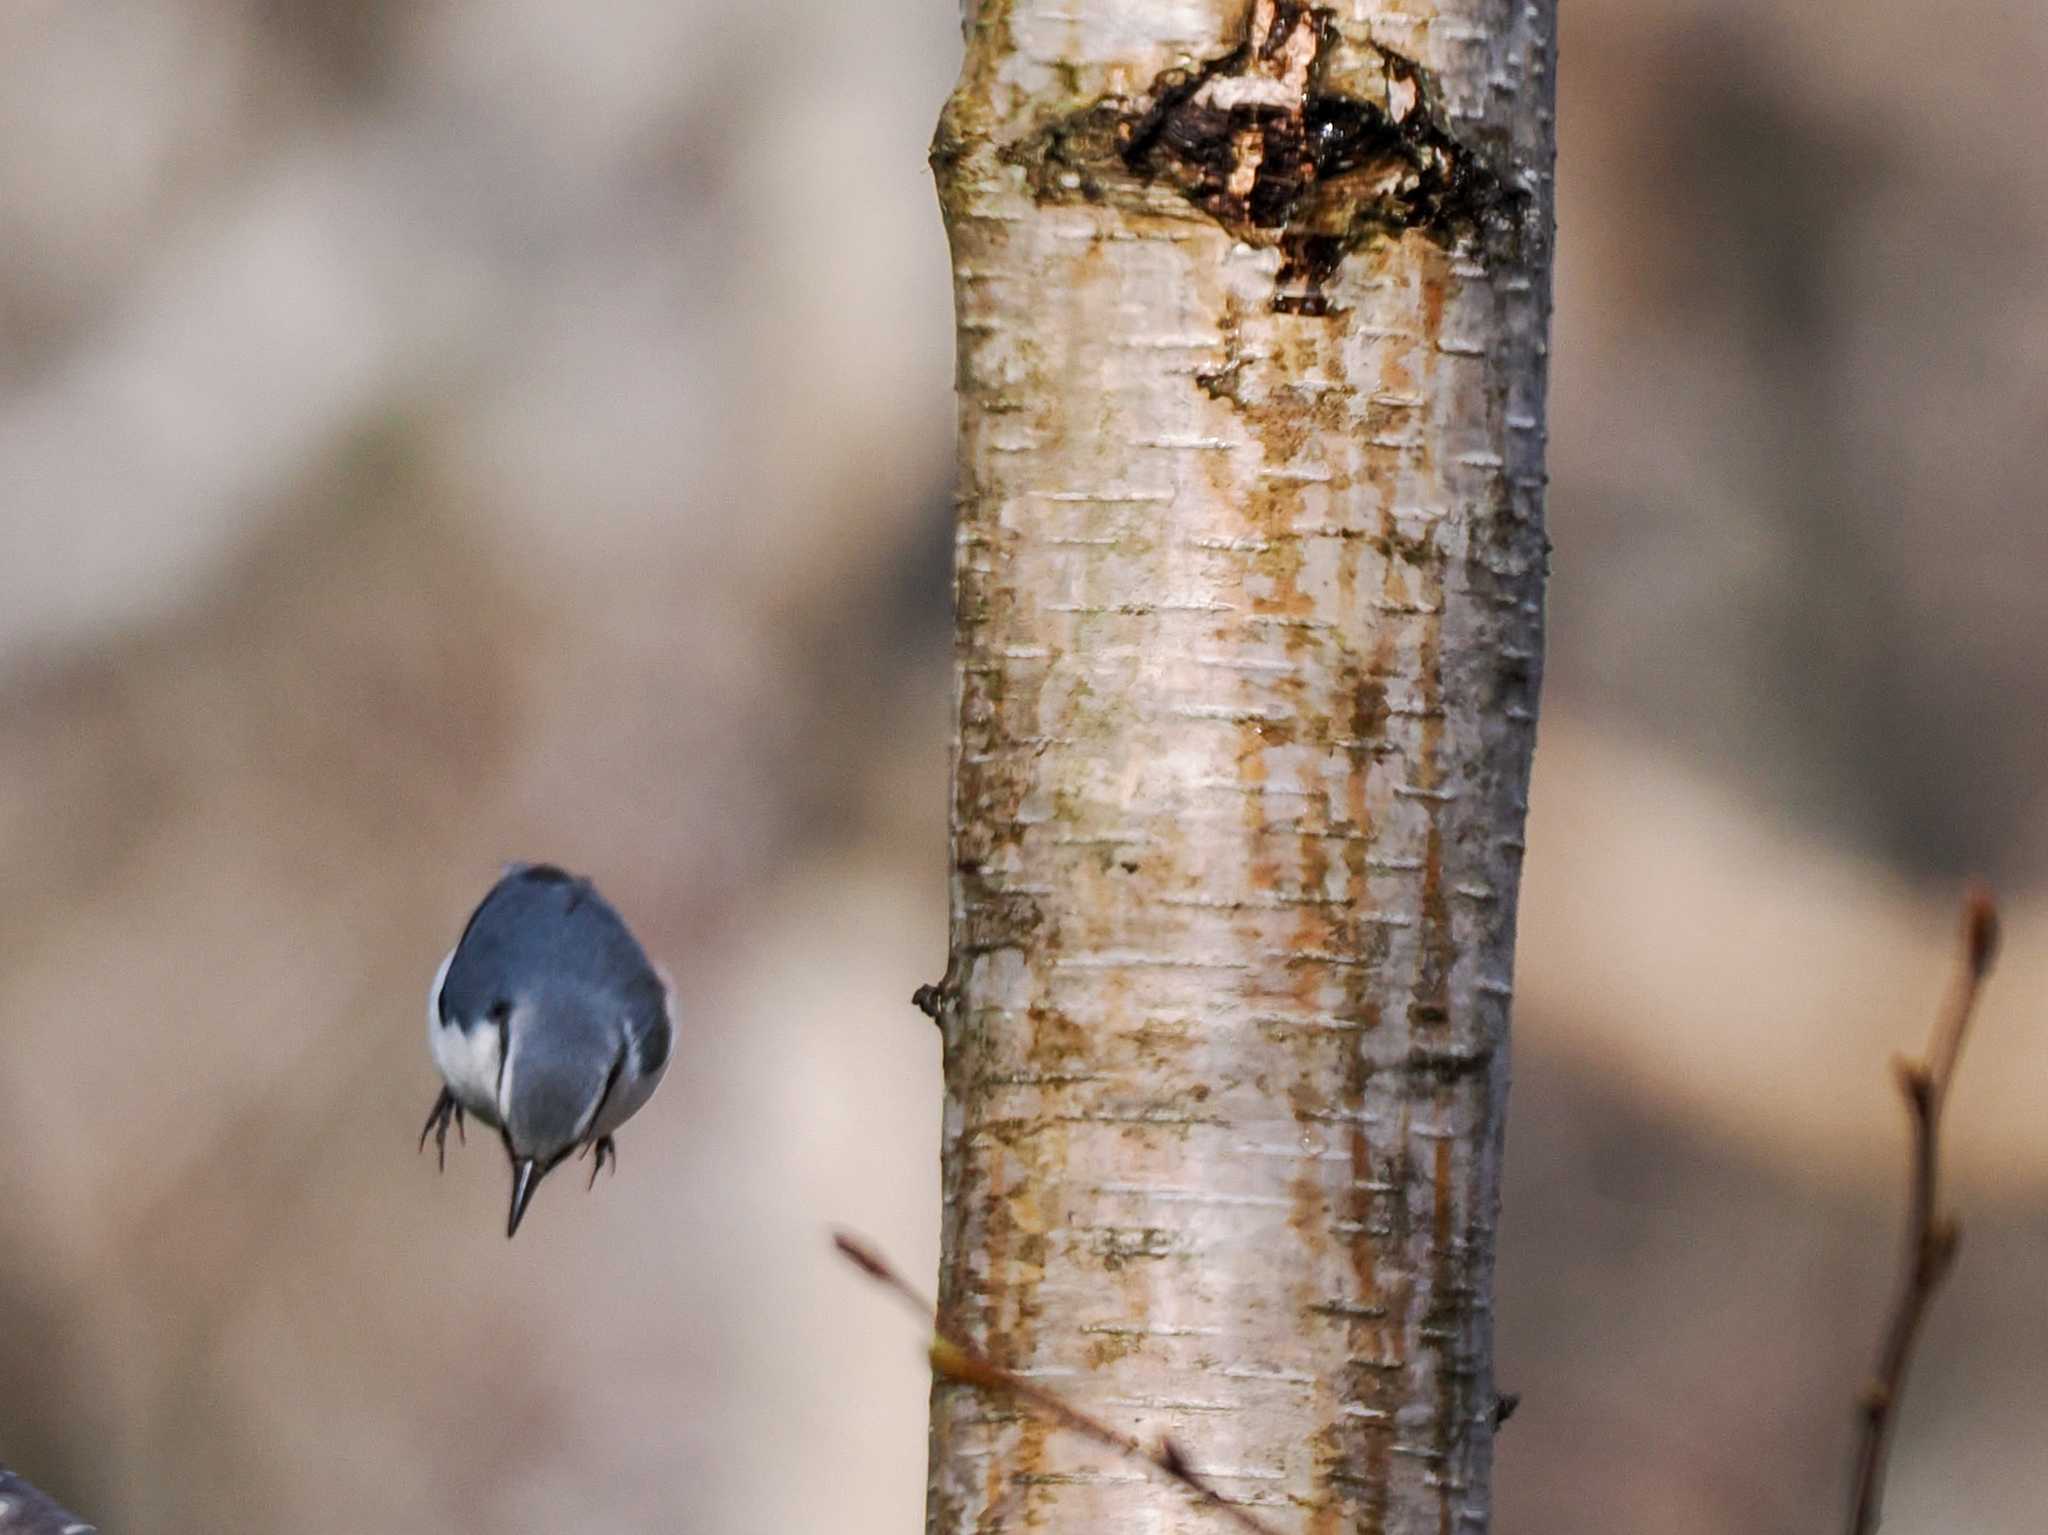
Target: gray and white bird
{"x": 548, "y": 1023}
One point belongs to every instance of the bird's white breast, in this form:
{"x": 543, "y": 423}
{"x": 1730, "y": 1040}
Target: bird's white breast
{"x": 470, "y": 1061}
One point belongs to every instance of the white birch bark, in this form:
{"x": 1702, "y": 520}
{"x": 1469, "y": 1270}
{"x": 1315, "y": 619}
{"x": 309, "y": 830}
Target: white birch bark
{"x": 1252, "y": 305}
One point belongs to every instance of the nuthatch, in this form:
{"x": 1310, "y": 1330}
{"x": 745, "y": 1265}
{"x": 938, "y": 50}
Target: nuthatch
{"x": 548, "y": 1023}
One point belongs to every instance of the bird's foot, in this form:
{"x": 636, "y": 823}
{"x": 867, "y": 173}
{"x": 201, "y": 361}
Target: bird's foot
{"x": 606, "y": 1151}
{"x": 444, "y": 1112}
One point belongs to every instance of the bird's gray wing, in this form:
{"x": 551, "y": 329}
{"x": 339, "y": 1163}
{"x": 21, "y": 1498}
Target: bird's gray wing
{"x": 650, "y": 1027}
{"x": 25, "y": 1511}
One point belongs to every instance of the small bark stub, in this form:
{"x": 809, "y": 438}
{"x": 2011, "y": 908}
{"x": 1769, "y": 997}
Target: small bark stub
{"x": 1252, "y": 303}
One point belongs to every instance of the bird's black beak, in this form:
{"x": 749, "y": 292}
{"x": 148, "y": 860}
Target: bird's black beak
{"x": 526, "y": 1176}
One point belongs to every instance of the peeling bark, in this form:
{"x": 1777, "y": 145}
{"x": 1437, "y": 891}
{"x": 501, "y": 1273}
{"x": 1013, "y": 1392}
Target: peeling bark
{"x": 1252, "y": 306}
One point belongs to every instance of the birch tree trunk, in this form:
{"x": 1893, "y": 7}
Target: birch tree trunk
{"x": 1252, "y": 305}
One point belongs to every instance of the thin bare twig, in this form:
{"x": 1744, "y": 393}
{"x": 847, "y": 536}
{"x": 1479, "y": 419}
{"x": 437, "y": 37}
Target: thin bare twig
{"x": 960, "y": 1361}
{"x": 1931, "y": 1234}
{"x": 25, "y": 1511}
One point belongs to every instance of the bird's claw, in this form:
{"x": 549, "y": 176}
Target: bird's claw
{"x": 606, "y": 1151}
{"x": 444, "y": 1112}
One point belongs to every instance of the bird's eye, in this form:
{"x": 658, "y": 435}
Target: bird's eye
{"x": 500, "y": 1010}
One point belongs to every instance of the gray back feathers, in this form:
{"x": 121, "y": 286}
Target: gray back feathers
{"x": 541, "y": 928}
{"x": 547, "y": 961}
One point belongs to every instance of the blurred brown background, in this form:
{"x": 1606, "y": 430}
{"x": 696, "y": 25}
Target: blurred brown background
{"x": 434, "y": 432}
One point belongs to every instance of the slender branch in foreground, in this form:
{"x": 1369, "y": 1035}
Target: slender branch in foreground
{"x": 960, "y": 1361}
{"x": 25, "y": 1511}
{"x": 1931, "y": 1234}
